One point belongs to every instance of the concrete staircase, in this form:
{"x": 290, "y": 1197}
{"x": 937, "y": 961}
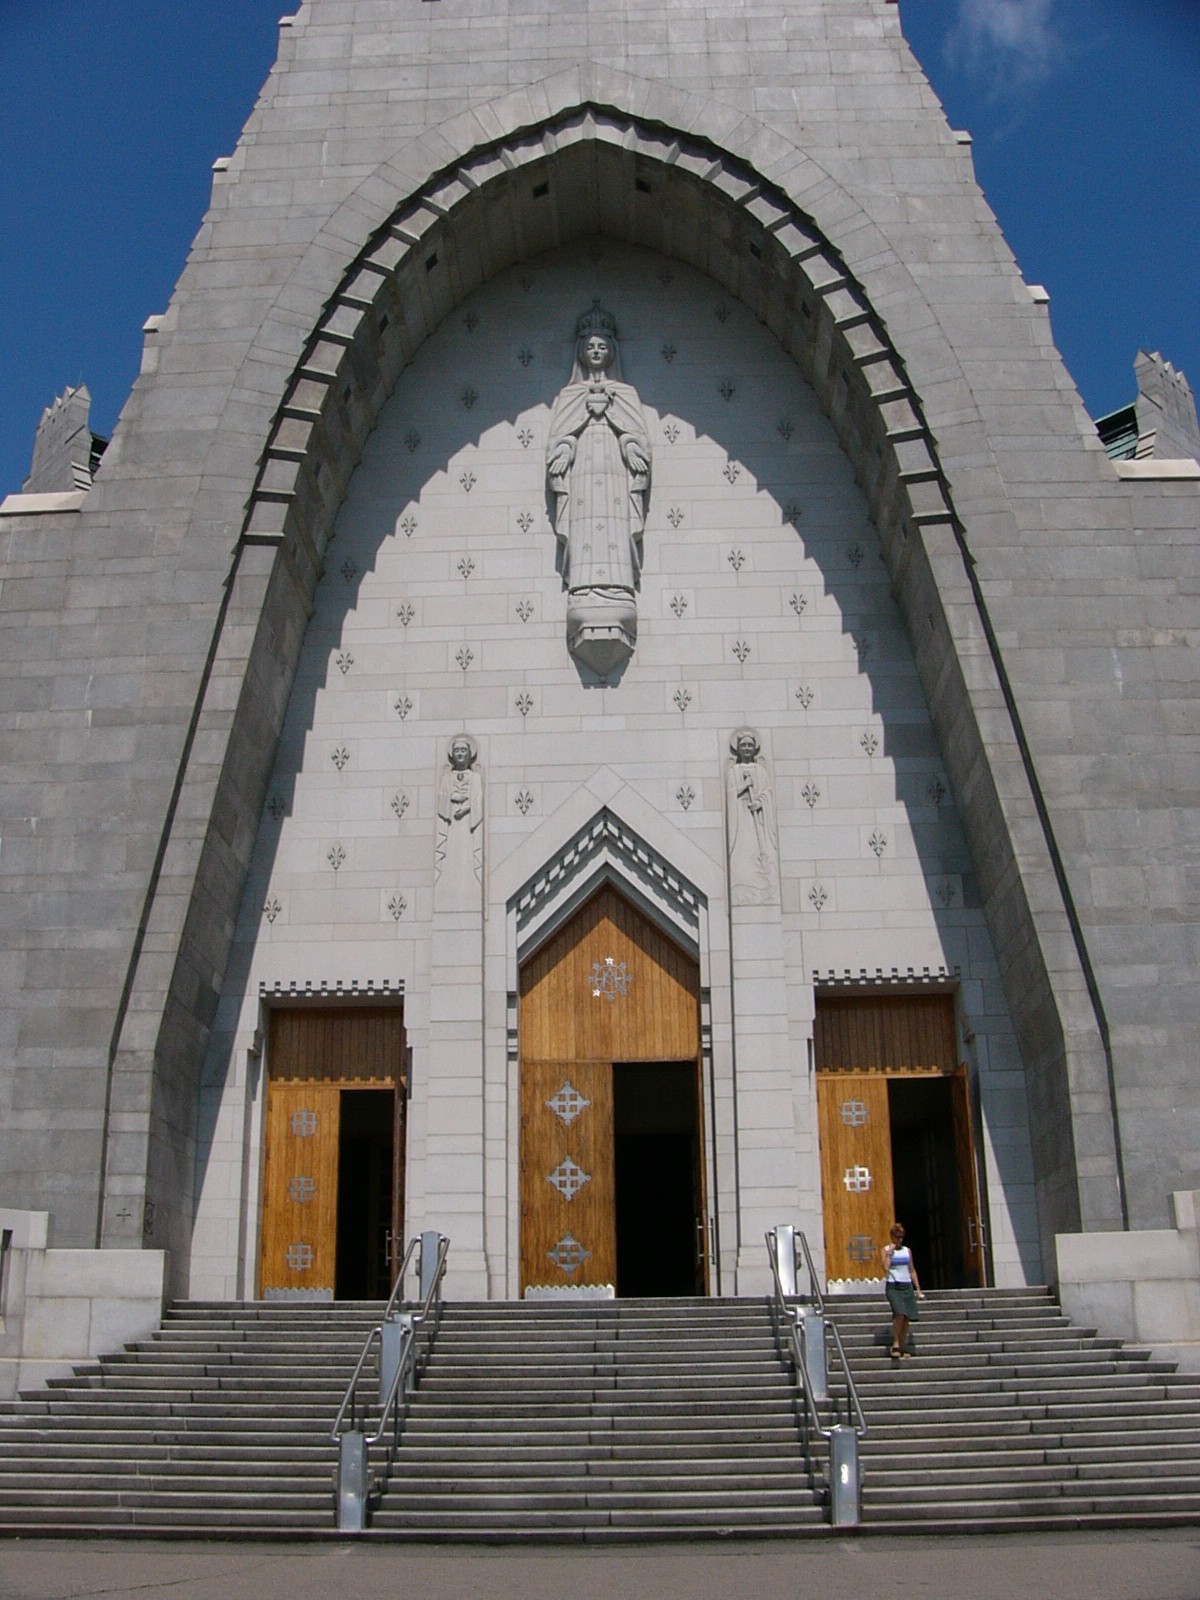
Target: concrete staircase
{"x": 613, "y": 1421}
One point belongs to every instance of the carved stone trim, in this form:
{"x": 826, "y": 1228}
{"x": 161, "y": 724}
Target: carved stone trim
{"x": 320, "y": 991}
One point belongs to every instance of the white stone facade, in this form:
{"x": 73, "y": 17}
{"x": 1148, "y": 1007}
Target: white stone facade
{"x": 764, "y": 602}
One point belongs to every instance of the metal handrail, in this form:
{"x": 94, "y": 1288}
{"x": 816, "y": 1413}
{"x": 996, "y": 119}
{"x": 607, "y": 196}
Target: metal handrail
{"x": 790, "y": 1317}
{"x": 397, "y": 1340}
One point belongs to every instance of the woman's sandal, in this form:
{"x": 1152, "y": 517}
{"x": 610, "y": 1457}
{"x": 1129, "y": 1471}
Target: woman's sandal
{"x": 894, "y": 1352}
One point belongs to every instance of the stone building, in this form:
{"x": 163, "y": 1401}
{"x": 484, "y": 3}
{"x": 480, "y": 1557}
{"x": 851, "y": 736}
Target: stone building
{"x": 605, "y": 694}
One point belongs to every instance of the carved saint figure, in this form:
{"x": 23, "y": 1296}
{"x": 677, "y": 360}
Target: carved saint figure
{"x": 753, "y": 846}
{"x": 458, "y": 875}
{"x": 598, "y": 469}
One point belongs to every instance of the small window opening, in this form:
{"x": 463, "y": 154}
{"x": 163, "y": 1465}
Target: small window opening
{"x": 540, "y": 190}
{"x": 642, "y": 185}
{"x": 431, "y": 262}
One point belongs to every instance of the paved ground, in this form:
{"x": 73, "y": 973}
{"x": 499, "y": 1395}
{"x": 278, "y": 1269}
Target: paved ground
{"x": 1158, "y": 1566}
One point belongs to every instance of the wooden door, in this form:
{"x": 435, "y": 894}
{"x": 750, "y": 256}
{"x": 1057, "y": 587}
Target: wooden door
{"x": 968, "y": 1181}
{"x": 312, "y": 1055}
{"x": 567, "y": 1196}
{"x": 608, "y": 987}
{"x": 300, "y": 1182}
{"x": 856, "y": 1171}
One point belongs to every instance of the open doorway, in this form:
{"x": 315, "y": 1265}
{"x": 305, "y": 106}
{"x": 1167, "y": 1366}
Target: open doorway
{"x": 364, "y": 1211}
{"x": 925, "y": 1187}
{"x": 659, "y": 1207}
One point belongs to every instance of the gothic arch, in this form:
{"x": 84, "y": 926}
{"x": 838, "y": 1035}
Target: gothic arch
{"x": 474, "y": 203}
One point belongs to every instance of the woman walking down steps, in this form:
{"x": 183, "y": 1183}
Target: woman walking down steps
{"x": 903, "y": 1291}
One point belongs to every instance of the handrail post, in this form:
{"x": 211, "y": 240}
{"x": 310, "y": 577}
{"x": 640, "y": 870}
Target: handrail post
{"x": 352, "y": 1481}
{"x": 430, "y": 1246}
{"x": 811, "y": 1327}
{"x": 394, "y": 1336}
{"x": 845, "y": 1477}
{"x": 784, "y": 1244}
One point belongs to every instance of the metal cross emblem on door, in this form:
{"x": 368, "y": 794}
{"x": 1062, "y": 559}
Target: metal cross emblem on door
{"x": 304, "y": 1124}
{"x": 609, "y": 979}
{"x": 857, "y": 1179}
{"x": 861, "y": 1247}
{"x": 299, "y": 1257}
{"x": 568, "y": 1254}
{"x": 568, "y": 1178}
{"x": 568, "y": 1103}
{"x": 853, "y": 1113}
{"x": 301, "y": 1190}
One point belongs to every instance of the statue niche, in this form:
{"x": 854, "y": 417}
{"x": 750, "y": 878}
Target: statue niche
{"x": 598, "y": 469}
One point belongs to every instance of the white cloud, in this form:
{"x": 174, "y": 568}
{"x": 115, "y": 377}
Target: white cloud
{"x": 1013, "y": 42}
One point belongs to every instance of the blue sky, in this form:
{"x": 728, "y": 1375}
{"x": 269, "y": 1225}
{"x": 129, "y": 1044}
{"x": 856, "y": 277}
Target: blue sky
{"x": 1085, "y": 115}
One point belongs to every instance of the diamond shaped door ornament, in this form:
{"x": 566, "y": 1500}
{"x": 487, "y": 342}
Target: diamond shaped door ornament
{"x": 857, "y": 1179}
{"x": 609, "y": 979}
{"x": 568, "y": 1103}
{"x": 568, "y": 1254}
{"x": 853, "y": 1113}
{"x": 304, "y": 1124}
{"x": 568, "y": 1178}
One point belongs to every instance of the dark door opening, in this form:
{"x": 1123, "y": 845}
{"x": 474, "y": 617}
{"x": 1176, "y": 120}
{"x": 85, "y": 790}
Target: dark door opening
{"x": 657, "y": 1178}
{"x": 925, "y": 1178}
{"x": 364, "y": 1216}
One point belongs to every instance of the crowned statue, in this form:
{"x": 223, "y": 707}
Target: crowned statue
{"x": 598, "y": 469}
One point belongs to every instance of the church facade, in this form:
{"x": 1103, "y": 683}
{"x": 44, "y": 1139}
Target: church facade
{"x": 605, "y": 695}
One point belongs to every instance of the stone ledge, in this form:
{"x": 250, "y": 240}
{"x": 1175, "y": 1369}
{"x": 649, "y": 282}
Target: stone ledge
{"x": 42, "y": 505}
{"x": 1160, "y": 471}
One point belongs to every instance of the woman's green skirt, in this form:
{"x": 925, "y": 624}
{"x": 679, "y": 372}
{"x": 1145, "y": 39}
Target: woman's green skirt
{"x": 902, "y": 1298}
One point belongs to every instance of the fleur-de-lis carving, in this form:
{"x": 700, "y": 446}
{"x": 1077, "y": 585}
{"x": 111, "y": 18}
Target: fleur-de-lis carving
{"x": 397, "y": 905}
{"x": 465, "y": 567}
{"x": 335, "y": 856}
{"x": 727, "y": 389}
{"x": 524, "y": 609}
{"x": 679, "y": 604}
{"x": 272, "y": 909}
{"x": 817, "y": 896}
{"x": 669, "y": 352}
{"x": 340, "y": 757}
{"x": 277, "y": 807}
{"x": 936, "y": 791}
{"x": 675, "y": 516}
{"x": 805, "y": 695}
{"x": 672, "y": 432}
{"x": 526, "y": 281}
{"x": 878, "y": 842}
{"x": 468, "y": 482}
{"x": 785, "y": 428}
{"x": 946, "y": 892}
{"x": 407, "y": 525}
{"x": 412, "y": 439}
{"x": 685, "y": 794}
{"x": 524, "y": 355}
{"x": 799, "y": 603}
{"x": 468, "y": 397}
{"x": 810, "y": 794}
{"x": 403, "y": 706}
{"x": 344, "y": 661}
{"x": 732, "y": 471}
{"x": 869, "y": 742}
{"x": 682, "y": 698}
{"x": 525, "y": 435}
{"x": 863, "y": 648}
{"x": 349, "y": 570}
{"x": 464, "y": 657}
{"x": 722, "y": 312}
{"x": 406, "y": 613}
{"x": 854, "y": 555}
{"x": 471, "y": 321}
{"x": 524, "y": 704}
{"x": 525, "y": 522}
{"x": 524, "y": 802}
{"x": 736, "y": 559}
{"x": 400, "y": 804}
{"x": 791, "y": 511}
{"x": 741, "y": 650}
{"x": 666, "y": 277}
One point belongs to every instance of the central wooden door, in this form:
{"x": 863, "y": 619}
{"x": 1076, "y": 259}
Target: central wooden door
{"x": 609, "y": 987}
{"x": 314, "y": 1058}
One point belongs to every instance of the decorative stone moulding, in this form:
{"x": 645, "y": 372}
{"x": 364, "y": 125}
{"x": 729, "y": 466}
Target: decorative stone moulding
{"x": 862, "y": 979}
{"x": 400, "y": 287}
{"x": 320, "y": 990}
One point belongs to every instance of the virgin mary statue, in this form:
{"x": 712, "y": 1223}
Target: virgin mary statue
{"x": 598, "y": 469}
